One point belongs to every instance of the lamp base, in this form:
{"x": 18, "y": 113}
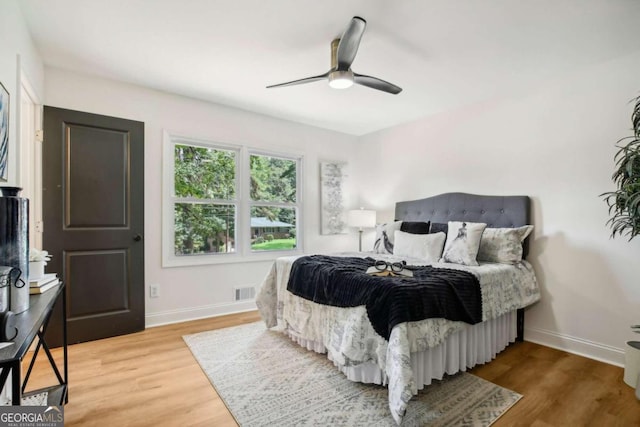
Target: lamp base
{"x": 360, "y": 240}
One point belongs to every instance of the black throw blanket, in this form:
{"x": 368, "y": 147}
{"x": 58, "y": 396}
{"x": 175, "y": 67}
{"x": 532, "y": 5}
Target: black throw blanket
{"x": 431, "y": 292}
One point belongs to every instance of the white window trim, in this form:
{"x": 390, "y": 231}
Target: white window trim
{"x": 242, "y": 201}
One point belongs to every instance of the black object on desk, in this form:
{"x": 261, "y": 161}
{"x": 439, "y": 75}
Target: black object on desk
{"x": 33, "y": 323}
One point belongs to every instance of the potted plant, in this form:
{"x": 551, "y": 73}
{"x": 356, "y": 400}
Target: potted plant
{"x": 37, "y": 260}
{"x": 624, "y": 211}
{"x": 632, "y": 362}
{"x": 624, "y": 202}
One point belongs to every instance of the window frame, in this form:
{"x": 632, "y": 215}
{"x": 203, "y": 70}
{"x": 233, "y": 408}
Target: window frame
{"x": 242, "y": 201}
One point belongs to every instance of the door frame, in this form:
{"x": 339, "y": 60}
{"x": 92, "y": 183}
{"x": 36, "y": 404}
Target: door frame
{"x": 29, "y": 152}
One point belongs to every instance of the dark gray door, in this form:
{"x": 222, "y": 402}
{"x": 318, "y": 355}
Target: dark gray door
{"x": 93, "y": 211}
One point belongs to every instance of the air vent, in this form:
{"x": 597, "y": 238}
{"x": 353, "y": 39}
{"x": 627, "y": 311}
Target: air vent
{"x": 245, "y": 293}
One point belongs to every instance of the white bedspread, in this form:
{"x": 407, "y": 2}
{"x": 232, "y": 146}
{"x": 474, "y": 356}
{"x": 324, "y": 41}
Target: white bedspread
{"x": 348, "y": 337}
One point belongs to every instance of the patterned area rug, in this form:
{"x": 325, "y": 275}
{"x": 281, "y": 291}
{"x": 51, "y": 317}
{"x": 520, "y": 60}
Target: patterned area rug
{"x": 266, "y": 379}
{"x": 39, "y": 399}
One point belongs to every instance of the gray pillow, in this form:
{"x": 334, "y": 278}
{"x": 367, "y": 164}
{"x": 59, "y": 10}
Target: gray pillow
{"x": 503, "y": 245}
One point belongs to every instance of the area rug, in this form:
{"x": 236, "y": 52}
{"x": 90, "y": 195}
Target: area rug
{"x": 267, "y": 380}
{"x": 39, "y": 399}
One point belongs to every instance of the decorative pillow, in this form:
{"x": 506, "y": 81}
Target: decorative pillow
{"x": 427, "y": 247}
{"x": 415, "y": 227}
{"x": 385, "y": 236}
{"x": 463, "y": 242}
{"x": 438, "y": 227}
{"x": 503, "y": 244}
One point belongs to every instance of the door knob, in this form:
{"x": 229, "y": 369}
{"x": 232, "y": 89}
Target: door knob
{"x": 137, "y": 237}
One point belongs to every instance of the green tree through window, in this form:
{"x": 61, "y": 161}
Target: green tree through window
{"x": 273, "y": 193}
{"x": 208, "y": 204}
{"x": 204, "y": 185}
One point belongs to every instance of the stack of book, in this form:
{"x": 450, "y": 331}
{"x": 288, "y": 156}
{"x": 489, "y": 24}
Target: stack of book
{"x": 43, "y": 284}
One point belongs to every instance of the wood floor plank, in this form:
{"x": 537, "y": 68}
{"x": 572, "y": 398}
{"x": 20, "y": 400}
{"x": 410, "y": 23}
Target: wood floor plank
{"x": 150, "y": 378}
{"x": 561, "y": 389}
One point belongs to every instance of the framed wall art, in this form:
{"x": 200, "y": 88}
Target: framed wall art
{"x": 332, "y": 198}
{"x": 4, "y": 132}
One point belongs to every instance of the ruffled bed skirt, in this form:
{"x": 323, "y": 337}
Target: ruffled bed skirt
{"x": 471, "y": 346}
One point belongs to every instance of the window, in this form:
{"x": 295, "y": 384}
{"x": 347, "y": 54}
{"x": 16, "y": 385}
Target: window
{"x": 273, "y": 207}
{"x": 227, "y": 203}
{"x": 204, "y": 200}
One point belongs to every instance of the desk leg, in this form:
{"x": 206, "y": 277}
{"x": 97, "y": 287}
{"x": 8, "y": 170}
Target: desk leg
{"x": 64, "y": 344}
{"x": 16, "y": 393}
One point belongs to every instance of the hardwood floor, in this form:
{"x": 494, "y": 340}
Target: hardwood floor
{"x": 151, "y": 379}
{"x": 561, "y": 389}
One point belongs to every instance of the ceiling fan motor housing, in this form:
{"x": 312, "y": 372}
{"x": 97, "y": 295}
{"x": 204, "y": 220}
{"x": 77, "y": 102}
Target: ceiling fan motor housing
{"x": 340, "y": 79}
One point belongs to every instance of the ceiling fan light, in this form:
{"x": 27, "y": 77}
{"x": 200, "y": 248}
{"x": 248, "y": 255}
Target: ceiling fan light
{"x": 341, "y": 79}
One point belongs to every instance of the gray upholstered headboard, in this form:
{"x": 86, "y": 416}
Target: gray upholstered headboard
{"x": 495, "y": 211}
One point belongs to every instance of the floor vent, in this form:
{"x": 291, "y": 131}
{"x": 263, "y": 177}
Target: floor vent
{"x": 245, "y": 293}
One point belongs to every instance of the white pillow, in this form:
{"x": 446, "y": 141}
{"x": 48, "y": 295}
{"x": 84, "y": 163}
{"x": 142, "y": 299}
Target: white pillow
{"x": 463, "y": 242}
{"x": 427, "y": 247}
{"x": 385, "y": 237}
{"x": 503, "y": 244}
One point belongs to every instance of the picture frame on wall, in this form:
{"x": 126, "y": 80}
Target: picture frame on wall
{"x": 4, "y": 132}
{"x": 332, "y": 197}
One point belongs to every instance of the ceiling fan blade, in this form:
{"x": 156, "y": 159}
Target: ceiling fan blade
{"x": 301, "y": 81}
{"x": 376, "y": 83}
{"x": 349, "y": 43}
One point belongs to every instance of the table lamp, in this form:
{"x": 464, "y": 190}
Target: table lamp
{"x": 361, "y": 219}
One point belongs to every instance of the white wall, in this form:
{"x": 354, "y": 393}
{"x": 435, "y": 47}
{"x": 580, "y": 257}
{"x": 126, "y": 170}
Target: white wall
{"x": 555, "y": 144}
{"x": 192, "y": 292}
{"x": 17, "y": 54}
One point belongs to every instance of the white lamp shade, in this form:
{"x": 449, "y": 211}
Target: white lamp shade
{"x": 361, "y": 218}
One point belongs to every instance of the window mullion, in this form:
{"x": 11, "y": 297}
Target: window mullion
{"x": 244, "y": 183}
{"x": 274, "y": 204}
{"x": 204, "y": 201}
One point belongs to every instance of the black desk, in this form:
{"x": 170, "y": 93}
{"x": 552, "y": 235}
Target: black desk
{"x": 33, "y": 323}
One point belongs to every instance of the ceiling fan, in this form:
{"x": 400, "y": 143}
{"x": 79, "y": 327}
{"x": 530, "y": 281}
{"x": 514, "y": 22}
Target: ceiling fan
{"x": 343, "y": 52}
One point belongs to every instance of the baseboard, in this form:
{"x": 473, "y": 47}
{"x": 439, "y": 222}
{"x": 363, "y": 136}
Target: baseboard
{"x": 592, "y": 350}
{"x": 194, "y": 313}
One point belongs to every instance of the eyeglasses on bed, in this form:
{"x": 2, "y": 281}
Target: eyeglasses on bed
{"x": 382, "y": 268}
{"x": 396, "y": 267}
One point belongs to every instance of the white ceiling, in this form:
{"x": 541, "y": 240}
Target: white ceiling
{"x": 445, "y": 54}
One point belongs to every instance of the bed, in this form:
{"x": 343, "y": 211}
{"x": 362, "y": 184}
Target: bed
{"x": 418, "y": 351}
